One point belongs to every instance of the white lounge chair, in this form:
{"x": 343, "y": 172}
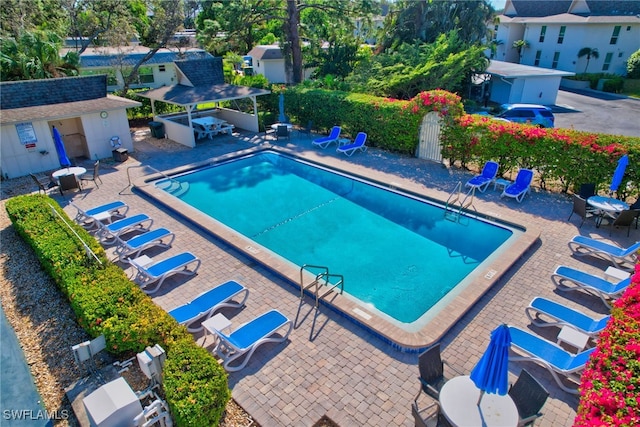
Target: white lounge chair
{"x": 562, "y": 315}
{"x": 624, "y": 258}
{"x": 90, "y": 218}
{"x": 159, "y": 271}
{"x": 520, "y": 187}
{"x": 358, "y": 144}
{"x": 324, "y": 141}
{"x": 207, "y": 303}
{"x": 248, "y": 337}
{"x": 109, "y": 233}
{"x": 549, "y": 355}
{"x": 486, "y": 177}
{"x": 570, "y": 279}
{"x": 133, "y": 247}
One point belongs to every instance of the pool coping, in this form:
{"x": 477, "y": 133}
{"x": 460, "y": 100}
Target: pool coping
{"x": 398, "y": 338}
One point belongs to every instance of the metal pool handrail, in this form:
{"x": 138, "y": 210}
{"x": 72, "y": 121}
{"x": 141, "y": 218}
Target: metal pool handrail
{"x": 130, "y": 184}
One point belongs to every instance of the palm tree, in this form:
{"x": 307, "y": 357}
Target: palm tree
{"x": 588, "y": 52}
{"x": 520, "y": 45}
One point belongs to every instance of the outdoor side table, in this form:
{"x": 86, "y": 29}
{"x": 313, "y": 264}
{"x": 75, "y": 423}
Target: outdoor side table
{"x": 615, "y": 275}
{"x": 216, "y": 323}
{"x": 573, "y": 337}
{"x": 502, "y": 183}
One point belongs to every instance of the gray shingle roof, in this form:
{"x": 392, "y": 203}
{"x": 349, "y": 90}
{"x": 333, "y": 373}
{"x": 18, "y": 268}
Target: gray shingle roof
{"x": 540, "y": 7}
{"x": 202, "y": 72}
{"x": 132, "y": 58}
{"x": 31, "y": 93}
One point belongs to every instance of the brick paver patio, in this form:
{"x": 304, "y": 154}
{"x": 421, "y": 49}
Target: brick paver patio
{"x": 330, "y": 366}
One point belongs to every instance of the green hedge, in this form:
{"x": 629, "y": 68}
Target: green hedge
{"x": 106, "y": 302}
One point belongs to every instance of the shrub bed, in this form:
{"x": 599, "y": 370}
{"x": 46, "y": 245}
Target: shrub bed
{"x": 106, "y": 302}
{"x": 610, "y": 384}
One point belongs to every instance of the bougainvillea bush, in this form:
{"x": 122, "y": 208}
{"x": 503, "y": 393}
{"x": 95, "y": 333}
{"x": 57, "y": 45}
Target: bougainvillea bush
{"x": 610, "y": 385}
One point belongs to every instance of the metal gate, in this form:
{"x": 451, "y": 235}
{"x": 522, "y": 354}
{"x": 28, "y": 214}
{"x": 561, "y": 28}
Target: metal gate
{"x": 429, "y": 142}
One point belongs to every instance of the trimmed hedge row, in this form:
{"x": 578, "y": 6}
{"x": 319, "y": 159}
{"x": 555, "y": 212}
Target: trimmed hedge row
{"x": 106, "y": 302}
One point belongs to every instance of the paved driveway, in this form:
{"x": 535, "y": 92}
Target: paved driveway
{"x": 594, "y": 111}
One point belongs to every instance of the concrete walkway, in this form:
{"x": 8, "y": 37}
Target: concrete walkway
{"x": 330, "y": 366}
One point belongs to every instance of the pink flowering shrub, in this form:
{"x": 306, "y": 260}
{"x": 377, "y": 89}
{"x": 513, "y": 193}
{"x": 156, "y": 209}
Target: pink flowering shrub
{"x": 610, "y": 385}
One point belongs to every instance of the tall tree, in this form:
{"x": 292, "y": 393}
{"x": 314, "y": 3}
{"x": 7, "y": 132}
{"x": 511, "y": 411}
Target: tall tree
{"x": 426, "y": 20}
{"x": 589, "y": 53}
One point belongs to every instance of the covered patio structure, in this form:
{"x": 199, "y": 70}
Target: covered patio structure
{"x": 202, "y": 82}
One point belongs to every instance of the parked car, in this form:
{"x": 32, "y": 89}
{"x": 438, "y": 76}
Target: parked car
{"x": 535, "y": 114}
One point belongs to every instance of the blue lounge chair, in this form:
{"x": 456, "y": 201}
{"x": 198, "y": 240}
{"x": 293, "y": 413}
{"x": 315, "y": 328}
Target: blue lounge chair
{"x": 549, "y": 355}
{"x": 133, "y": 247}
{"x": 90, "y": 218}
{"x": 109, "y": 233}
{"x": 358, "y": 144}
{"x": 159, "y": 271}
{"x": 486, "y": 177}
{"x": 563, "y": 316}
{"x": 207, "y": 303}
{"x": 624, "y": 258}
{"x": 520, "y": 187}
{"x": 569, "y": 279}
{"x": 249, "y": 336}
{"x": 324, "y": 142}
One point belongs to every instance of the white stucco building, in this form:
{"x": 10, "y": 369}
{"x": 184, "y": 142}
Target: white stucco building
{"x": 555, "y": 31}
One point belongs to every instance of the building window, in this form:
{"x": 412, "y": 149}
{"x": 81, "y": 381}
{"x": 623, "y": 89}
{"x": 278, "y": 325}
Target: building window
{"x": 145, "y": 75}
{"x": 537, "y": 60}
{"x": 620, "y": 54}
{"x": 563, "y": 29}
{"x": 111, "y": 75}
{"x": 556, "y": 58}
{"x": 607, "y": 61}
{"x": 162, "y": 68}
{"x": 543, "y": 31}
{"x": 614, "y": 36}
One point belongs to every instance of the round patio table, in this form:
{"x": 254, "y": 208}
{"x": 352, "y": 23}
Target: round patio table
{"x": 606, "y": 206}
{"x": 74, "y": 170}
{"x": 459, "y": 404}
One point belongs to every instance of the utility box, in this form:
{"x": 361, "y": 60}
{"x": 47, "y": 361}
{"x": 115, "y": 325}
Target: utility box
{"x": 120, "y": 154}
{"x": 157, "y": 129}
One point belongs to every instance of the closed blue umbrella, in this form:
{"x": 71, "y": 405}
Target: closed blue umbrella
{"x": 281, "y": 117}
{"x": 62, "y": 153}
{"x": 619, "y": 173}
{"x": 491, "y": 373}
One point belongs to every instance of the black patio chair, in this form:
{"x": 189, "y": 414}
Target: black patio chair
{"x": 307, "y": 129}
{"x": 68, "y": 182}
{"x": 282, "y": 131}
{"x": 587, "y": 190}
{"x": 430, "y": 416}
{"x": 625, "y": 219}
{"x": 42, "y": 186}
{"x": 529, "y": 396}
{"x": 431, "y": 367}
{"x": 95, "y": 176}
{"x": 580, "y": 208}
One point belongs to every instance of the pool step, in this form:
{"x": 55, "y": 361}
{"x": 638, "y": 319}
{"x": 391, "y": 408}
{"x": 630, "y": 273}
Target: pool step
{"x": 174, "y": 188}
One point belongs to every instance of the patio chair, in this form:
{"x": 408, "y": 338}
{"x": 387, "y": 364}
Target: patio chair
{"x": 207, "y": 303}
{"x": 133, "y": 247}
{"x": 95, "y": 176}
{"x": 324, "y": 141}
{"x": 431, "y": 367}
{"x": 587, "y": 190}
{"x": 625, "y": 219}
{"x": 428, "y": 416}
{"x": 623, "y": 258}
{"x": 555, "y": 359}
{"x": 529, "y": 396}
{"x": 248, "y": 337}
{"x": 580, "y": 207}
{"x": 307, "y": 129}
{"x": 158, "y": 272}
{"x": 562, "y": 315}
{"x": 358, "y": 144}
{"x": 68, "y": 182}
{"x": 108, "y": 233}
{"x": 520, "y": 187}
{"x": 91, "y": 217}
{"x": 486, "y": 177}
{"x": 282, "y": 131}
{"x": 569, "y": 279}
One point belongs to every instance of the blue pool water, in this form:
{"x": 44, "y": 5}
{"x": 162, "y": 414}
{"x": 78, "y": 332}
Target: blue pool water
{"x": 398, "y": 254}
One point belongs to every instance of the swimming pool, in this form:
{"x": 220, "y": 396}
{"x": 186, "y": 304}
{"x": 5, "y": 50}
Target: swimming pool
{"x": 402, "y": 261}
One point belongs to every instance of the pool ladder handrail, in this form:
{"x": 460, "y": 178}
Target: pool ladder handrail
{"x": 321, "y": 279}
{"x": 455, "y": 206}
